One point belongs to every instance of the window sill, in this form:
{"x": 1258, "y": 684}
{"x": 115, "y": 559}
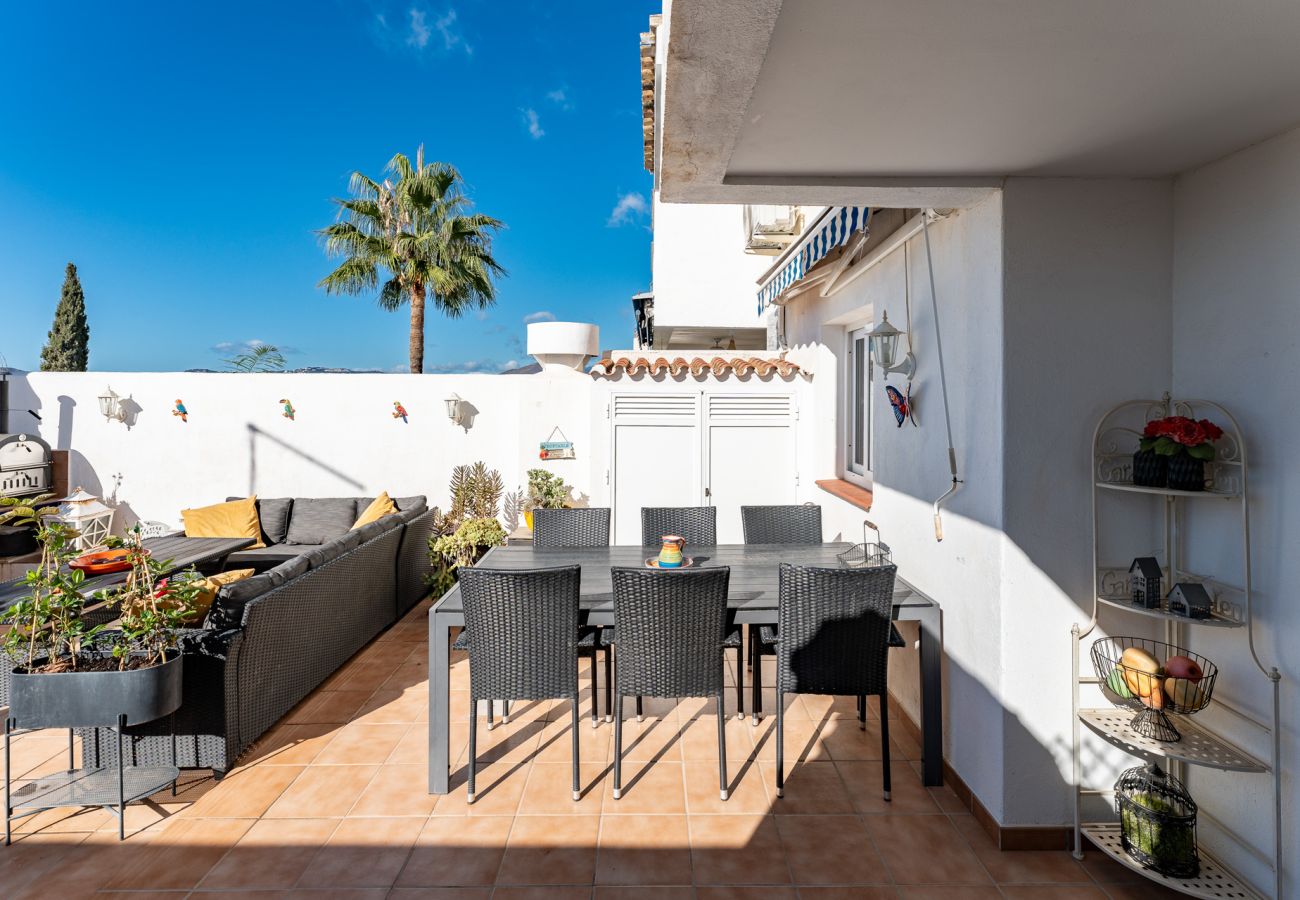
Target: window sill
{"x": 848, "y": 492}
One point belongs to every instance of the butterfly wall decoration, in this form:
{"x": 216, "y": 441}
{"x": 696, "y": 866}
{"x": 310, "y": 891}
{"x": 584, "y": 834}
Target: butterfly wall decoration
{"x": 901, "y": 402}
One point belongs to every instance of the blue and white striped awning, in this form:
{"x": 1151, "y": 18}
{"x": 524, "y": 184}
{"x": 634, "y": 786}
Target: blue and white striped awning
{"x": 834, "y": 227}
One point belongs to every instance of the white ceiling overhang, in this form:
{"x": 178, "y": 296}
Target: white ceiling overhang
{"x": 934, "y": 102}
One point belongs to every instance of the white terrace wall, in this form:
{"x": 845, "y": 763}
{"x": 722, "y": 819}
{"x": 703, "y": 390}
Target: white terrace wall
{"x": 1236, "y": 330}
{"x": 343, "y": 441}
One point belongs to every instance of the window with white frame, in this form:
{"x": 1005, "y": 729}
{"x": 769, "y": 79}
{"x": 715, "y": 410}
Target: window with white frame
{"x": 857, "y": 431}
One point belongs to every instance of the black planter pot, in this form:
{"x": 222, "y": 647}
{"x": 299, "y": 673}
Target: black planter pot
{"x": 89, "y": 699}
{"x": 17, "y": 540}
{"x": 1186, "y": 473}
{"x": 1150, "y": 469}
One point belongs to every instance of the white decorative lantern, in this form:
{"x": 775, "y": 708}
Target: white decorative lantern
{"x": 86, "y": 513}
{"x": 110, "y": 406}
{"x": 884, "y": 348}
{"x": 455, "y": 409}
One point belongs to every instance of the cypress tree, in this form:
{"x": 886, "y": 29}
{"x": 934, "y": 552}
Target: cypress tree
{"x": 68, "y": 347}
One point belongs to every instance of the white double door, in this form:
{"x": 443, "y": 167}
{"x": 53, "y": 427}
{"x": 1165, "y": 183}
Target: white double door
{"x": 700, "y": 448}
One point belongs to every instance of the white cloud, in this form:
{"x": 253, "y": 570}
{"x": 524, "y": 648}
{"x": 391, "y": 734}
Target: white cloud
{"x": 248, "y": 346}
{"x": 630, "y": 207}
{"x": 560, "y": 97}
{"x": 451, "y": 36}
{"x": 420, "y": 31}
{"x": 532, "y": 122}
{"x": 540, "y": 316}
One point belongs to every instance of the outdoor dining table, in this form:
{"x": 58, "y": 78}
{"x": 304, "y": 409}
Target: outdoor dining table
{"x": 753, "y": 596}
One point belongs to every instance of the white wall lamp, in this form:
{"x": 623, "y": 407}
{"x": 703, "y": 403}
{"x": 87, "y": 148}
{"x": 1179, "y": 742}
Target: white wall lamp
{"x": 884, "y": 349}
{"x": 455, "y": 409}
{"x": 110, "y": 406}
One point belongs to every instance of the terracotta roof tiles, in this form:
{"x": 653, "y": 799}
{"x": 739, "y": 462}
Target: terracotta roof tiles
{"x": 698, "y": 365}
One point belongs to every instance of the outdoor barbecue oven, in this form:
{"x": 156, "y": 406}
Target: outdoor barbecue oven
{"x": 26, "y": 463}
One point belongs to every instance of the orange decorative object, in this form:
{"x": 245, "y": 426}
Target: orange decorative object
{"x": 103, "y": 562}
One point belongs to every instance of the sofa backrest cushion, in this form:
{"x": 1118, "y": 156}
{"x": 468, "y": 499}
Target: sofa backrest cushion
{"x": 332, "y": 549}
{"x": 374, "y": 529}
{"x": 273, "y": 513}
{"x": 318, "y": 520}
{"x": 228, "y": 609}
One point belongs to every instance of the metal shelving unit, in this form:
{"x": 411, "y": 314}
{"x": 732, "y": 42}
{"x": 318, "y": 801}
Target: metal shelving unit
{"x": 1114, "y": 443}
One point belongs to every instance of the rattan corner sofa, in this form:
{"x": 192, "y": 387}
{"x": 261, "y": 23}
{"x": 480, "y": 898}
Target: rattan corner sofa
{"x": 269, "y": 640}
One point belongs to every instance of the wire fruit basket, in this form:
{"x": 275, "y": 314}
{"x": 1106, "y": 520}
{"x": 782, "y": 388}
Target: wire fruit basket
{"x": 868, "y": 554}
{"x": 1155, "y": 679}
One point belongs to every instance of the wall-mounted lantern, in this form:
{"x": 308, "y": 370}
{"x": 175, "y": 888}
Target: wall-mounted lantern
{"x": 884, "y": 349}
{"x": 455, "y": 409}
{"x": 110, "y": 406}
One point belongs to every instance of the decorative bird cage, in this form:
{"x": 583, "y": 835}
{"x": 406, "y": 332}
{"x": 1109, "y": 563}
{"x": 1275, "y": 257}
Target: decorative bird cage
{"x": 1157, "y": 821}
{"x": 87, "y": 514}
{"x": 1144, "y": 582}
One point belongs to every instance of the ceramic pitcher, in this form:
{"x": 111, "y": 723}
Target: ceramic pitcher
{"x": 670, "y": 555}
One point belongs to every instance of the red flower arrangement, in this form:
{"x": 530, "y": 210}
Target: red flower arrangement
{"x": 1179, "y": 434}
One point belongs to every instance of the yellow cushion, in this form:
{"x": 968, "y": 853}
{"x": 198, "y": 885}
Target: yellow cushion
{"x": 238, "y": 518}
{"x": 212, "y": 584}
{"x": 379, "y": 507}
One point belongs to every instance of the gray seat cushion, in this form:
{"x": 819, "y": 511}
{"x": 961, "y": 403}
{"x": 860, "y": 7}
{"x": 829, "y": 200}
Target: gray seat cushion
{"x": 273, "y": 513}
{"x": 318, "y": 520}
{"x": 264, "y": 557}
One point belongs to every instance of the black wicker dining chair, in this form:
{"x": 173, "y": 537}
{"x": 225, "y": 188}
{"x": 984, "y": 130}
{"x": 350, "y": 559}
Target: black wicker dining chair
{"x": 565, "y": 529}
{"x": 699, "y": 526}
{"x": 793, "y": 524}
{"x": 532, "y": 618}
{"x": 832, "y": 637}
{"x": 671, "y": 626}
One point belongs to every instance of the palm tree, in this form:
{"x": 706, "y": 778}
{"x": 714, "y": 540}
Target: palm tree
{"x": 416, "y": 233}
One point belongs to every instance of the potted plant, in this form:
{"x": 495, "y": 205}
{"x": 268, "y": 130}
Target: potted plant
{"x": 17, "y": 527}
{"x": 1173, "y": 452}
{"x": 470, "y": 528}
{"x": 68, "y": 673}
{"x": 545, "y": 491}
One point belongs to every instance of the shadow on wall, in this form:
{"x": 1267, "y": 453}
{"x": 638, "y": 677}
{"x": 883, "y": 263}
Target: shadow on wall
{"x": 24, "y": 409}
{"x": 254, "y": 433}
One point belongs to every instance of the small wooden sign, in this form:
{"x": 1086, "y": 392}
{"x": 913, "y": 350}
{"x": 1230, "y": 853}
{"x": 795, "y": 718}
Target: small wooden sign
{"x": 553, "y": 449}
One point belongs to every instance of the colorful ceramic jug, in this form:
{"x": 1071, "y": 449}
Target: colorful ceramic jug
{"x": 670, "y": 556}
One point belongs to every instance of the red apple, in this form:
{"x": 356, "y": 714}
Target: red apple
{"x": 1183, "y": 667}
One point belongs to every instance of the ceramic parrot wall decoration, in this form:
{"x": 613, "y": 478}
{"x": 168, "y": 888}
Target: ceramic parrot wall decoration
{"x": 181, "y": 411}
{"x": 289, "y": 411}
{"x": 399, "y": 411}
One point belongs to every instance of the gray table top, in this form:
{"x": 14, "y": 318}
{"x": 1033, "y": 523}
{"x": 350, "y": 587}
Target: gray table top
{"x": 181, "y": 550}
{"x": 754, "y": 571}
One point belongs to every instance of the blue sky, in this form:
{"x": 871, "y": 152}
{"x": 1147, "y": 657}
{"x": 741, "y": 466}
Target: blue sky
{"x": 183, "y": 154}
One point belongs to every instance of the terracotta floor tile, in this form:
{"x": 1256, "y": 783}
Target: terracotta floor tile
{"x": 549, "y": 789}
{"x": 457, "y": 852}
{"x": 273, "y": 853}
{"x": 412, "y": 749}
{"x": 498, "y": 788}
{"x": 330, "y": 708}
{"x": 368, "y": 675}
{"x": 643, "y": 892}
{"x": 857, "y": 892}
{"x": 948, "y": 892}
{"x": 737, "y": 850}
{"x": 746, "y": 892}
{"x": 653, "y": 739}
{"x": 246, "y": 793}
{"x": 830, "y": 850}
{"x": 863, "y": 782}
{"x": 322, "y": 792}
{"x": 1055, "y": 892}
{"x": 30, "y": 858}
{"x": 644, "y": 850}
{"x": 924, "y": 850}
{"x": 802, "y": 741}
{"x": 396, "y": 791}
{"x": 811, "y": 788}
{"x": 362, "y": 853}
{"x": 443, "y": 893}
{"x": 181, "y": 854}
{"x": 844, "y": 740}
{"x": 555, "y": 742}
{"x": 395, "y": 706}
{"x": 542, "y": 892}
{"x": 747, "y": 792}
{"x": 699, "y": 740}
{"x": 648, "y": 787}
{"x": 1144, "y": 891}
{"x": 360, "y": 744}
{"x": 300, "y": 745}
{"x": 551, "y": 850}
{"x": 1040, "y": 867}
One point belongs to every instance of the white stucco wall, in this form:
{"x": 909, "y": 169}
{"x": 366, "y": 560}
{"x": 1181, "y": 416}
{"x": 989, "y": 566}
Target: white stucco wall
{"x": 344, "y": 440}
{"x": 911, "y": 465}
{"x": 702, "y": 274}
{"x": 1236, "y": 326}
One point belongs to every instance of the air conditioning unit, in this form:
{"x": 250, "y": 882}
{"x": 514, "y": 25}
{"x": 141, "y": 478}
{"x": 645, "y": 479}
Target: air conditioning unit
{"x": 770, "y": 229}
